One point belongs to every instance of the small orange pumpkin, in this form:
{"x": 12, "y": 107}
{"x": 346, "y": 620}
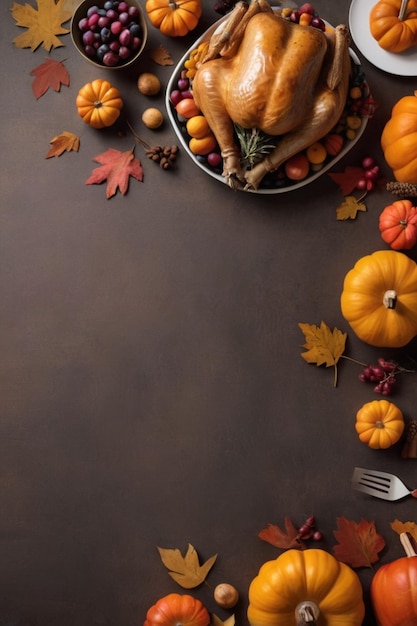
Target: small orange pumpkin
{"x": 177, "y": 610}
{"x": 379, "y": 424}
{"x": 399, "y": 140}
{"x": 398, "y": 225}
{"x": 99, "y": 103}
{"x": 333, "y": 144}
{"x": 174, "y": 18}
{"x": 394, "y": 25}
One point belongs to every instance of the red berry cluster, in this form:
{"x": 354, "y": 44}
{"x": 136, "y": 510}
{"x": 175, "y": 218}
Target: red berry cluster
{"x": 308, "y": 530}
{"x": 365, "y": 107}
{"x": 383, "y": 374}
{"x": 371, "y": 174}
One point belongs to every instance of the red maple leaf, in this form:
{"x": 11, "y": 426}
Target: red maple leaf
{"x": 49, "y": 74}
{"x": 290, "y": 538}
{"x": 116, "y": 167}
{"x": 359, "y": 544}
{"x": 347, "y": 179}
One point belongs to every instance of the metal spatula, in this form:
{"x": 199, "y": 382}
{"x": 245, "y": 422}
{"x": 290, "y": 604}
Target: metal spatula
{"x": 380, "y": 484}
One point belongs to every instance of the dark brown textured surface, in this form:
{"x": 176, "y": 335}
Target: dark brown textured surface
{"x": 152, "y": 388}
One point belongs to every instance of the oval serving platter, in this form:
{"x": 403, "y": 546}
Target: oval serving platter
{"x": 266, "y": 187}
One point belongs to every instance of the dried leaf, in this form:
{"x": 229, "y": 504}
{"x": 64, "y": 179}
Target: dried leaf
{"x": 216, "y": 621}
{"x": 347, "y": 179}
{"x": 324, "y": 347}
{"x": 405, "y": 527}
{"x": 116, "y": 167}
{"x": 161, "y": 56}
{"x": 282, "y": 539}
{"x": 349, "y": 208}
{"x": 65, "y": 142}
{"x": 186, "y": 570}
{"x": 49, "y": 74}
{"x": 359, "y": 544}
{"x": 70, "y": 5}
{"x": 43, "y": 25}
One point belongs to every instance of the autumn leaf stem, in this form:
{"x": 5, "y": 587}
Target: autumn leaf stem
{"x": 136, "y": 136}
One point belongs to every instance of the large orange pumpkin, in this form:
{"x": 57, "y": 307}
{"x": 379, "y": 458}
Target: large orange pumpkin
{"x": 399, "y": 140}
{"x": 379, "y": 299}
{"x": 305, "y": 587}
{"x": 393, "y": 23}
{"x": 394, "y": 590}
{"x": 174, "y": 18}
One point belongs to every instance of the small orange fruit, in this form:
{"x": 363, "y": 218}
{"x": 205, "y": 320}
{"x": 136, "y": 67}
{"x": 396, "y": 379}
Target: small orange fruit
{"x": 316, "y": 153}
{"x": 203, "y": 146}
{"x": 197, "y": 126}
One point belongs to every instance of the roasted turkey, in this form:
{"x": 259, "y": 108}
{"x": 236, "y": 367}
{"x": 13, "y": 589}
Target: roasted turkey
{"x": 265, "y": 72}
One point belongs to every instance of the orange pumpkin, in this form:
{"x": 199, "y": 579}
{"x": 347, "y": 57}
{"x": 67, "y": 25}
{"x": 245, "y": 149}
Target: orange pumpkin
{"x": 379, "y": 424}
{"x": 399, "y": 140}
{"x": 394, "y": 25}
{"x": 177, "y": 610}
{"x": 174, "y": 18}
{"x": 99, "y": 103}
{"x": 398, "y": 225}
{"x": 394, "y": 590}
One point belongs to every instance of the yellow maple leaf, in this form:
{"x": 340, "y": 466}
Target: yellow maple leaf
{"x": 43, "y": 24}
{"x": 323, "y": 346}
{"x": 186, "y": 570}
{"x": 405, "y": 527}
{"x": 216, "y": 621}
{"x": 65, "y": 142}
{"x": 349, "y": 208}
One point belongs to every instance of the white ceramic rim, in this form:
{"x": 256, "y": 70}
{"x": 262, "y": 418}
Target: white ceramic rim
{"x": 396, "y": 63}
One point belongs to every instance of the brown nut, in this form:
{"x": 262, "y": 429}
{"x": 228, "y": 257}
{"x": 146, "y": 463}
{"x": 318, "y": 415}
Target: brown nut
{"x": 226, "y": 595}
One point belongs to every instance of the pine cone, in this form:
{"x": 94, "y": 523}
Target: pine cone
{"x": 409, "y": 450}
{"x": 164, "y": 155}
{"x": 402, "y": 189}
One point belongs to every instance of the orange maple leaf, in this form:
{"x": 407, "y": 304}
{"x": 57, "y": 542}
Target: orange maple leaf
{"x": 290, "y": 538}
{"x": 65, "y": 142}
{"x": 359, "y": 544}
{"x": 116, "y": 168}
{"x": 52, "y": 74}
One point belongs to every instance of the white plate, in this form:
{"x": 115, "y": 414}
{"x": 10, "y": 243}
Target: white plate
{"x": 398, "y": 63}
{"x": 183, "y": 137}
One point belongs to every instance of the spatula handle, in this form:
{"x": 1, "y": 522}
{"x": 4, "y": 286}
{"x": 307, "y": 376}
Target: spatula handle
{"x": 413, "y": 493}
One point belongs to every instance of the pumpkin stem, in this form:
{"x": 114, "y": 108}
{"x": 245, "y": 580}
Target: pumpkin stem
{"x": 98, "y": 104}
{"x": 306, "y": 613}
{"x": 407, "y": 545}
{"x": 390, "y": 299}
{"x": 402, "y": 15}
